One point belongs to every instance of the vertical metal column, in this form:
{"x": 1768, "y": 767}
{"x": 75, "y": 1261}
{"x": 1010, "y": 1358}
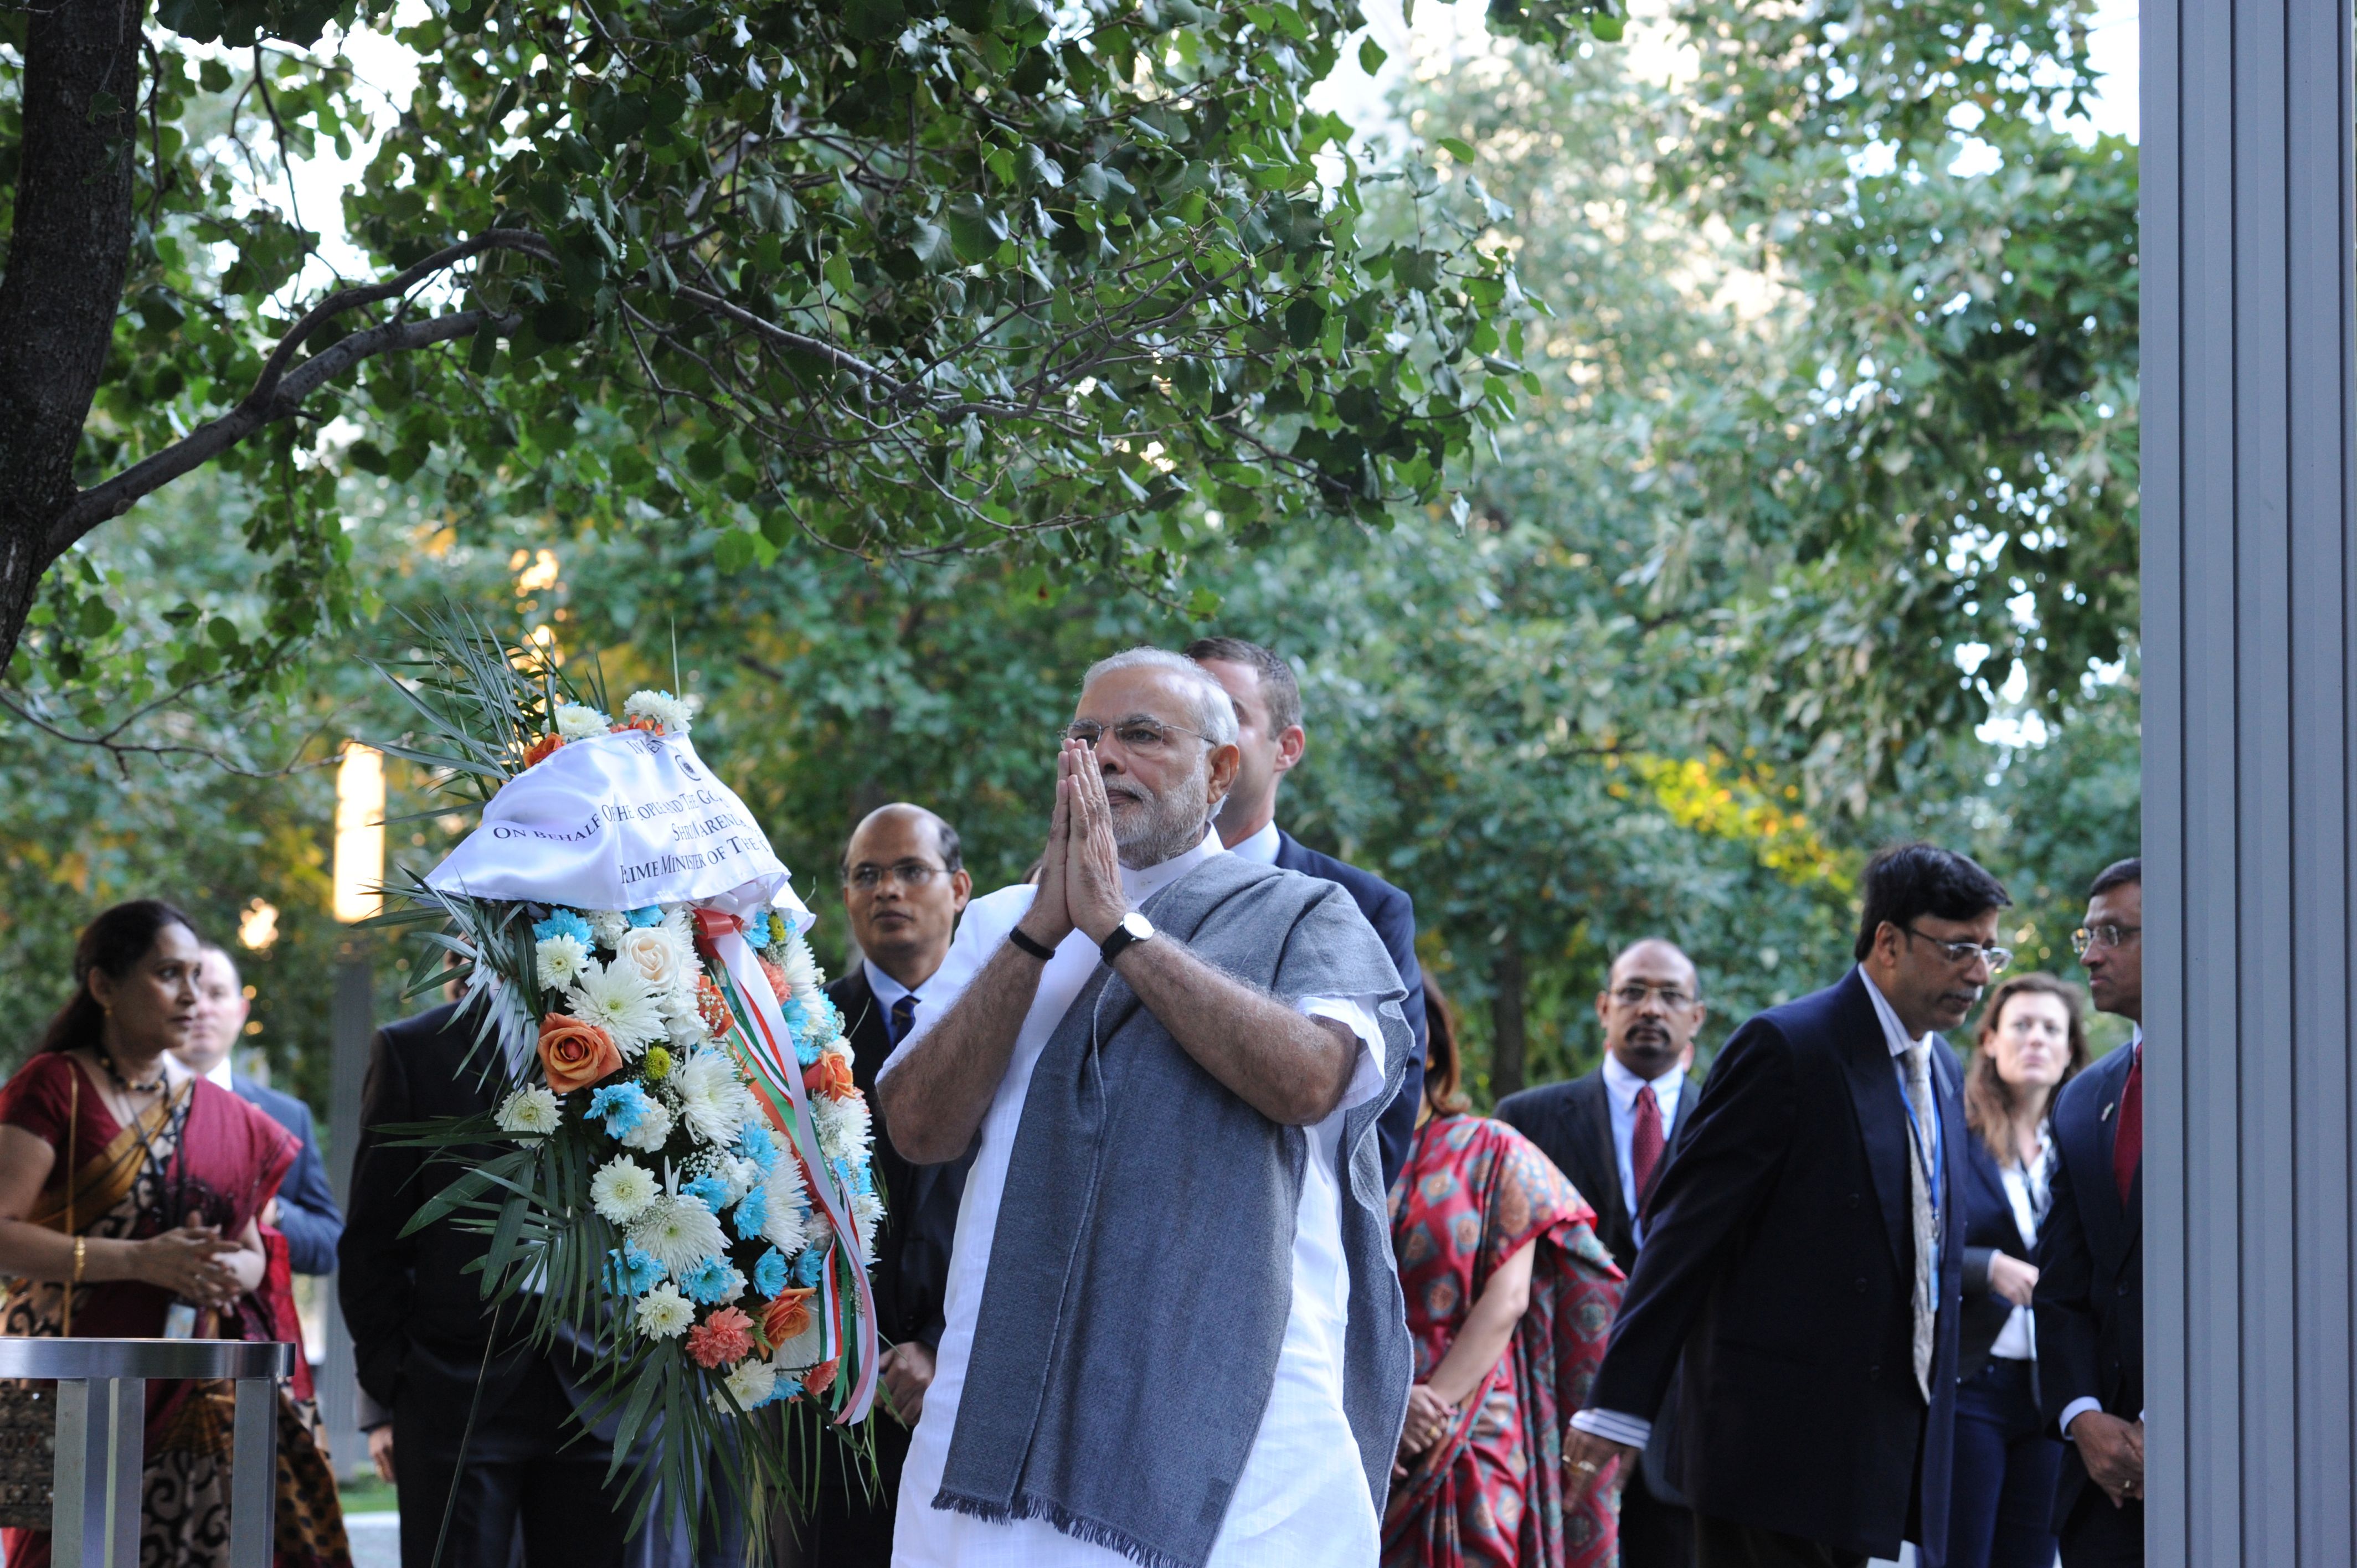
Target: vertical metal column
{"x": 352, "y": 1025}
{"x": 2249, "y": 657}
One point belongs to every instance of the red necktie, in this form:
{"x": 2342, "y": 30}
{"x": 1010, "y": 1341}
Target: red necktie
{"x": 1645, "y": 1142}
{"x": 2127, "y": 1143}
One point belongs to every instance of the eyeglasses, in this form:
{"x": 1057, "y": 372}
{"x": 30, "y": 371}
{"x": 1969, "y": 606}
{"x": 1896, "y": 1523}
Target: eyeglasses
{"x": 911, "y": 874}
{"x": 1962, "y": 953}
{"x": 1142, "y": 736}
{"x": 1633, "y": 995}
{"x": 2087, "y": 937}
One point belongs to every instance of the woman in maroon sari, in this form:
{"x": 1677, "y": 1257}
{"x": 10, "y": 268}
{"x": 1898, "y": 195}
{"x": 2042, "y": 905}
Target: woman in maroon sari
{"x": 131, "y": 1196}
{"x": 1510, "y": 1297}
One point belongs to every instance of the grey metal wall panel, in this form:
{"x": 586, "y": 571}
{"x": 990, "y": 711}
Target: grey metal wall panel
{"x": 2250, "y": 420}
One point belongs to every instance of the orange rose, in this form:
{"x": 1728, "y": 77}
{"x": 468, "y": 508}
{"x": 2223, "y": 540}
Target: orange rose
{"x": 788, "y": 1317}
{"x": 575, "y": 1055}
{"x": 830, "y": 1076}
{"x": 543, "y": 748}
{"x": 821, "y": 1378}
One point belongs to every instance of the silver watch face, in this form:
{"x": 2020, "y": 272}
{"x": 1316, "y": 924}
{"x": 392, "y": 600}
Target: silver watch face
{"x": 1137, "y": 926}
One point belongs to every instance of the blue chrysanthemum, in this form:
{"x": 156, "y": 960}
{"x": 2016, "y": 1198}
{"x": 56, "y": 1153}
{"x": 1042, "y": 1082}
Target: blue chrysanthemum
{"x": 709, "y": 1190}
{"x": 563, "y": 923}
{"x": 709, "y": 1281}
{"x": 756, "y": 1144}
{"x": 752, "y": 1213}
{"x": 623, "y": 1105}
{"x": 631, "y": 1271}
{"x": 786, "y": 1389}
{"x": 807, "y": 1267}
{"x": 649, "y": 916}
{"x": 770, "y": 1273}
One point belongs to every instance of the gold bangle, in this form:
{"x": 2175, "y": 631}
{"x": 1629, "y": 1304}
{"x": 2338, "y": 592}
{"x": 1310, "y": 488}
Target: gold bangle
{"x": 81, "y": 1249}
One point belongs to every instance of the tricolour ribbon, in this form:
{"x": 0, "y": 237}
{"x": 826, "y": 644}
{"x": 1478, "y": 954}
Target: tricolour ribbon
{"x": 776, "y": 1068}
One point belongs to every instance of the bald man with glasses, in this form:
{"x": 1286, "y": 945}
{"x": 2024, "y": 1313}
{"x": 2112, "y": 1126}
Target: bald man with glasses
{"x": 1611, "y": 1132}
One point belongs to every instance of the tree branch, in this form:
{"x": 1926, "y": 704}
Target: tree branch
{"x": 272, "y": 399}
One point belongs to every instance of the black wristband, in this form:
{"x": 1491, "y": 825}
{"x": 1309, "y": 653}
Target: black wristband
{"x": 1037, "y": 950}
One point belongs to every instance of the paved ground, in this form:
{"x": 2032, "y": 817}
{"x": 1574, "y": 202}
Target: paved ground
{"x": 376, "y": 1539}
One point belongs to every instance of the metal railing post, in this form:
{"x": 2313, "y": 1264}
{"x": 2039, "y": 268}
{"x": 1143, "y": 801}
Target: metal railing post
{"x": 101, "y": 1438}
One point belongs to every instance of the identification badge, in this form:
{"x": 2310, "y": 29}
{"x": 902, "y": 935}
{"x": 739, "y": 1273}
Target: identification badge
{"x": 179, "y": 1321}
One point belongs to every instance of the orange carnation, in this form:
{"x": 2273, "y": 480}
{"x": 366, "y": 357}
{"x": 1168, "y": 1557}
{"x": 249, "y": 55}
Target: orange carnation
{"x": 821, "y": 1378}
{"x": 639, "y": 721}
{"x": 779, "y": 985}
{"x": 788, "y": 1317}
{"x": 575, "y": 1055}
{"x": 543, "y": 748}
{"x": 830, "y": 1076}
{"x": 721, "y": 1340}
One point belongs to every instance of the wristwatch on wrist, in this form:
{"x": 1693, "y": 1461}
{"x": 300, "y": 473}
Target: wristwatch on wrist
{"x": 1134, "y": 928}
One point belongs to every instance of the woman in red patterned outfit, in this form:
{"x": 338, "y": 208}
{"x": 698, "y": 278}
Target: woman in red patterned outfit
{"x": 1510, "y": 1298}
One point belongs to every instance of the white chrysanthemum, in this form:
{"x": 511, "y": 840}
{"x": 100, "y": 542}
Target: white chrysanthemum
{"x": 752, "y": 1382}
{"x": 844, "y": 1128}
{"x": 711, "y": 1097}
{"x": 868, "y": 1210}
{"x": 740, "y": 1175}
{"x": 686, "y": 1030}
{"x": 577, "y": 721}
{"x": 562, "y": 961}
{"x": 802, "y": 969}
{"x": 664, "y": 1313}
{"x": 675, "y": 715}
{"x": 804, "y": 1351}
{"x": 679, "y": 919}
{"x": 613, "y": 997}
{"x": 622, "y": 1189}
{"x": 607, "y": 926}
{"x": 678, "y": 1232}
{"x": 653, "y": 1130}
{"x": 531, "y": 1113}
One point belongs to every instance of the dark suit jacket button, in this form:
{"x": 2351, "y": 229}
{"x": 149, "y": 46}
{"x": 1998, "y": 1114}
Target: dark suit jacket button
{"x": 2122, "y": 1288}
{"x": 1859, "y": 1286}
{"x": 1853, "y": 1200}
{"x": 1874, "y": 1369}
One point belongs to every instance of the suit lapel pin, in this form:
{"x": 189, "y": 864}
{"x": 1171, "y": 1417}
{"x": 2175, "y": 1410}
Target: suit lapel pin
{"x": 2107, "y": 1113}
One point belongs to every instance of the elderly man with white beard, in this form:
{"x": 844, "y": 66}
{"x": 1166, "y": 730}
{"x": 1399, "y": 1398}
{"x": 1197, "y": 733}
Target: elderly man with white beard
{"x": 1175, "y": 1335}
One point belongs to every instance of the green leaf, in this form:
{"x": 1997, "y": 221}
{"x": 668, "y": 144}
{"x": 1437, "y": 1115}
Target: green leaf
{"x": 1459, "y": 150}
{"x": 1370, "y": 56}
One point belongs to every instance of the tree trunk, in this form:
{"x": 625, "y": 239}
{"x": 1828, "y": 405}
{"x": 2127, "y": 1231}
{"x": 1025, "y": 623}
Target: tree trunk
{"x": 67, "y": 257}
{"x": 1507, "y": 1039}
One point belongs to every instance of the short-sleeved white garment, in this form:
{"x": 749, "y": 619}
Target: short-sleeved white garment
{"x": 1302, "y": 1498}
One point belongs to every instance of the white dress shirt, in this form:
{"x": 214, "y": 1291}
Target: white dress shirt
{"x": 1926, "y": 1118}
{"x": 1302, "y": 1497}
{"x": 2025, "y": 1192}
{"x": 1620, "y": 1088}
{"x": 934, "y": 998}
{"x": 1260, "y": 848}
{"x": 2083, "y": 1404}
{"x": 219, "y": 1074}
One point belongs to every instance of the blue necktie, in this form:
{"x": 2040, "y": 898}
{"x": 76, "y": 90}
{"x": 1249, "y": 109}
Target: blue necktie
{"x": 904, "y": 1014}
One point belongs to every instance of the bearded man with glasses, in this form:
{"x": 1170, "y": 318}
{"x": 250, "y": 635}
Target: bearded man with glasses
{"x": 1174, "y": 1333}
{"x": 1611, "y": 1132}
{"x": 1801, "y": 1274}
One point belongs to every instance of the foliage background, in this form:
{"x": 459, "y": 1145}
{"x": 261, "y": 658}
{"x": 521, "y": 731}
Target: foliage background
{"x": 1788, "y": 554}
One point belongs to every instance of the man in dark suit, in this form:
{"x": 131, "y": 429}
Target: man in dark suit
{"x": 1803, "y": 1253}
{"x": 428, "y": 1349}
{"x": 2090, "y": 1292}
{"x": 306, "y": 1212}
{"x": 904, "y": 886}
{"x": 1269, "y": 719}
{"x": 1611, "y": 1131}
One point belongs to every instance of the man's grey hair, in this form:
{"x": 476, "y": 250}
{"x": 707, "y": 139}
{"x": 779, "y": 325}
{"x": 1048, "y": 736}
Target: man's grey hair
{"x": 1215, "y": 712}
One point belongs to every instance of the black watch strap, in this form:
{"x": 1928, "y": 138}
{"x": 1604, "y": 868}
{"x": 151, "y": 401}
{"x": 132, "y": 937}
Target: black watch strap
{"x": 1024, "y": 940}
